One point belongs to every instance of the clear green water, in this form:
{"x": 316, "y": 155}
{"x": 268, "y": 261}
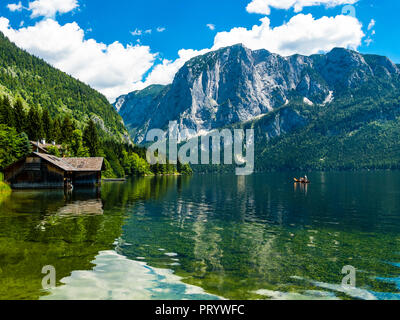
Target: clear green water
{"x": 206, "y": 237}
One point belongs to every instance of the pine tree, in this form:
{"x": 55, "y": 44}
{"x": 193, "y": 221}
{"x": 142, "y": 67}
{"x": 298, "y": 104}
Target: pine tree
{"x": 13, "y": 146}
{"x": 91, "y": 138}
{"x": 19, "y": 116}
{"x": 24, "y": 146}
{"x": 56, "y": 134}
{"x": 76, "y": 145}
{"x": 67, "y": 128}
{"x": 184, "y": 169}
{"x": 6, "y": 112}
{"x": 47, "y": 125}
{"x": 179, "y": 166}
{"x": 34, "y": 127}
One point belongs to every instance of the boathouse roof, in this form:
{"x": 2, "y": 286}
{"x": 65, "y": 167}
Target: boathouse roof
{"x": 74, "y": 164}
{"x": 86, "y": 164}
{"x": 42, "y": 147}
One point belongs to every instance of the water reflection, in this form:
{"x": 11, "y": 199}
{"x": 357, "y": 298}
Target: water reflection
{"x": 38, "y": 228}
{"x": 242, "y": 237}
{"x": 115, "y": 277}
{"x": 94, "y": 206}
{"x": 233, "y": 237}
{"x": 65, "y": 230}
{"x": 301, "y": 187}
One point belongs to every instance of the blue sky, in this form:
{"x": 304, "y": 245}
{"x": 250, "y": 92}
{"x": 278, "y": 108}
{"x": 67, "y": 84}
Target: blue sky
{"x": 185, "y": 22}
{"x": 182, "y": 24}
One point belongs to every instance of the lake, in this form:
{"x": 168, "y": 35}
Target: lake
{"x": 206, "y": 237}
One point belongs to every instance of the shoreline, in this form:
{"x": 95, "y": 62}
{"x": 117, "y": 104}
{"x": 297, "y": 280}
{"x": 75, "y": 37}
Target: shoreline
{"x": 142, "y": 176}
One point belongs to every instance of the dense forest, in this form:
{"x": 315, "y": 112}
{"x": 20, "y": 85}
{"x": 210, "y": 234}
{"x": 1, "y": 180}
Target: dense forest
{"x": 19, "y": 126}
{"x": 351, "y": 134}
{"x": 39, "y": 84}
{"x": 358, "y": 131}
{"x": 39, "y": 102}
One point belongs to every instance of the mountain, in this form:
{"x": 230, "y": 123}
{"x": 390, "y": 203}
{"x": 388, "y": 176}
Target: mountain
{"x": 38, "y": 83}
{"x": 235, "y": 85}
{"x": 143, "y": 103}
{"x": 354, "y": 132}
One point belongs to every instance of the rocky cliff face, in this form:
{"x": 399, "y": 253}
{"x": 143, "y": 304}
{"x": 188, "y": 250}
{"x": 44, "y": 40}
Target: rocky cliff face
{"x": 235, "y": 84}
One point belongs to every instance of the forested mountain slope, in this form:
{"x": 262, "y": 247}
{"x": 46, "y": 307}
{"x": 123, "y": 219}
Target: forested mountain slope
{"x": 39, "y": 84}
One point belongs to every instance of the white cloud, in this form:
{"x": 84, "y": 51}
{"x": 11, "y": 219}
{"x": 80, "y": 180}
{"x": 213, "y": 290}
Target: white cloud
{"x": 264, "y": 6}
{"x": 211, "y": 26}
{"x": 15, "y": 6}
{"x": 165, "y": 72}
{"x": 137, "y": 32}
{"x": 112, "y": 69}
{"x": 303, "y": 34}
{"x": 371, "y": 24}
{"x": 116, "y": 69}
{"x": 49, "y": 8}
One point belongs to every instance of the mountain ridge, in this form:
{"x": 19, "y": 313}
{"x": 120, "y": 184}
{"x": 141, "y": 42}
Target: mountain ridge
{"x": 235, "y": 84}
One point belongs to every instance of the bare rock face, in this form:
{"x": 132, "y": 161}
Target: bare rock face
{"x": 236, "y": 84}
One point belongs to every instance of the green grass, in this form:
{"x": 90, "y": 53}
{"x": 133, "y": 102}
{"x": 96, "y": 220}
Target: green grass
{"x": 4, "y": 187}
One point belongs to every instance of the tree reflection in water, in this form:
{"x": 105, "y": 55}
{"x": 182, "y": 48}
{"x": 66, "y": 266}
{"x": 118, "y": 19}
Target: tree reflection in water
{"x": 65, "y": 230}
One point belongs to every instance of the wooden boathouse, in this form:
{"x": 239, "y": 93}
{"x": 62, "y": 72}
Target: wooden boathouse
{"x": 40, "y": 170}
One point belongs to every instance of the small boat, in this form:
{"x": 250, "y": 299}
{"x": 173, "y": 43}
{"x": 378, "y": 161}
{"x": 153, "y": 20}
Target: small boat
{"x": 301, "y": 180}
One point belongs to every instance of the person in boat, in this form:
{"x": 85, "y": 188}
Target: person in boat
{"x": 304, "y": 179}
